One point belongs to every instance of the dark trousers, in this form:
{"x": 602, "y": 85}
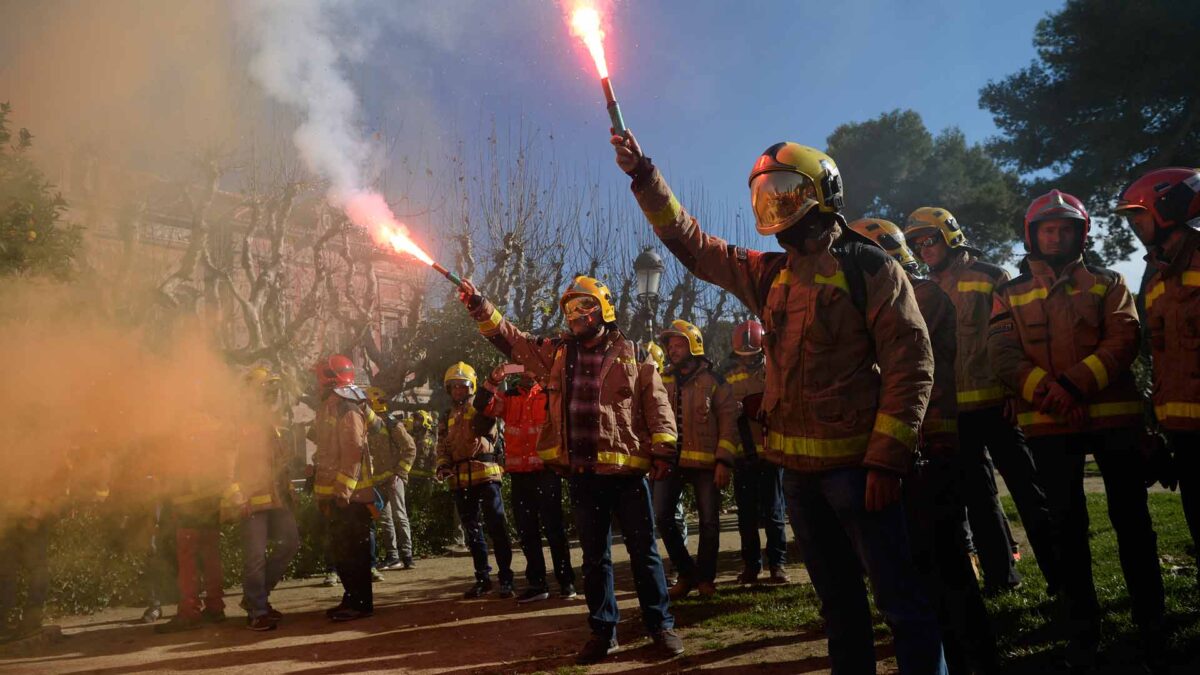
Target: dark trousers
{"x": 667, "y": 499}
{"x": 480, "y": 506}
{"x": 595, "y": 500}
{"x": 350, "y": 528}
{"x": 839, "y": 540}
{"x": 537, "y": 503}
{"x": 935, "y": 523}
{"x": 1060, "y": 461}
{"x": 1186, "y": 449}
{"x": 983, "y": 431}
{"x": 758, "y": 491}
{"x": 23, "y": 551}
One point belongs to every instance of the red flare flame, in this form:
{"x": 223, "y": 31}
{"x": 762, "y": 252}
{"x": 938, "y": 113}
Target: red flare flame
{"x": 369, "y": 211}
{"x": 585, "y": 24}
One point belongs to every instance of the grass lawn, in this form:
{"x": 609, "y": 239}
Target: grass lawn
{"x": 1021, "y": 619}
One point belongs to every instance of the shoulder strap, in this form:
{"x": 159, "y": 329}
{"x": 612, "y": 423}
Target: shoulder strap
{"x": 848, "y": 253}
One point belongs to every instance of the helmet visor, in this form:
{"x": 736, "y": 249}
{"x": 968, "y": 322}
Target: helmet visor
{"x": 579, "y": 307}
{"x": 780, "y": 198}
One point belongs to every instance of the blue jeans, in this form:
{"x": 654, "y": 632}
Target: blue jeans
{"x": 596, "y": 500}
{"x": 758, "y": 491}
{"x": 471, "y": 501}
{"x": 708, "y": 503}
{"x": 839, "y": 539}
{"x": 537, "y": 507}
{"x": 261, "y": 572}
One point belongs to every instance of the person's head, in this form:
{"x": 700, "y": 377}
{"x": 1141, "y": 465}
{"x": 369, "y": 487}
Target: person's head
{"x": 657, "y": 354}
{"x": 334, "y": 371}
{"x": 683, "y": 341}
{"x": 933, "y": 235}
{"x": 1056, "y": 226}
{"x": 378, "y": 399}
{"x": 795, "y": 193}
{"x": 886, "y": 235}
{"x": 587, "y": 307}
{"x": 459, "y": 381}
{"x": 1161, "y": 202}
{"x": 267, "y": 383}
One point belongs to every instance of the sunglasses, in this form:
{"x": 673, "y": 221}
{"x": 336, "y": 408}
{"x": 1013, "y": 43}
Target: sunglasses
{"x": 924, "y": 242}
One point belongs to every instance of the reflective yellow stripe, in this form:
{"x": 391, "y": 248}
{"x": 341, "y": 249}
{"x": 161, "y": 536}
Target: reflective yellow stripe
{"x": 419, "y": 473}
{"x": 102, "y": 494}
{"x": 975, "y": 287}
{"x": 1096, "y": 410}
{"x": 838, "y": 279}
{"x": 1153, "y": 293}
{"x": 702, "y": 457}
{"x": 783, "y": 278}
{"x": 622, "y": 459}
{"x": 1191, "y": 278}
{"x": 323, "y": 489}
{"x": 980, "y": 395}
{"x": 549, "y": 453}
{"x": 1098, "y": 370}
{"x": 736, "y": 377}
{"x": 663, "y": 438}
{"x": 487, "y": 471}
{"x": 817, "y": 447}
{"x": 492, "y": 322}
{"x": 1177, "y": 409}
{"x": 261, "y": 500}
{"x": 406, "y": 467}
{"x": 377, "y": 479}
{"x": 231, "y": 490}
{"x": 727, "y": 446}
{"x": 940, "y": 426}
{"x": 667, "y": 214}
{"x": 1099, "y": 289}
{"x": 1026, "y": 298}
{"x": 668, "y": 379}
{"x": 1032, "y": 380}
{"x": 890, "y": 426}
{"x": 347, "y": 481}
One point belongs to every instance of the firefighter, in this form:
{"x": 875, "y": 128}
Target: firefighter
{"x": 609, "y": 425}
{"x": 984, "y": 427}
{"x": 660, "y": 363}
{"x": 757, "y": 484}
{"x": 466, "y": 456}
{"x": 936, "y": 516}
{"x": 393, "y": 452}
{"x": 263, "y": 480}
{"x": 705, "y": 418}
{"x": 1063, "y": 336}
{"x": 515, "y": 396}
{"x": 1163, "y": 209}
{"x": 342, "y": 483}
{"x": 849, "y": 370}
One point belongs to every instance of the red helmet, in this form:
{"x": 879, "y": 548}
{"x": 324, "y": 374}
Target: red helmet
{"x": 1055, "y": 204}
{"x": 1171, "y": 195}
{"x": 335, "y": 371}
{"x": 747, "y": 338}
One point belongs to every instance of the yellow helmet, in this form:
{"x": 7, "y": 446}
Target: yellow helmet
{"x": 683, "y": 329}
{"x": 787, "y": 181}
{"x": 378, "y": 399}
{"x": 424, "y": 418}
{"x": 460, "y": 372}
{"x": 408, "y": 424}
{"x": 886, "y": 235}
{"x": 261, "y": 376}
{"x": 593, "y": 288}
{"x": 935, "y": 218}
{"x": 657, "y": 354}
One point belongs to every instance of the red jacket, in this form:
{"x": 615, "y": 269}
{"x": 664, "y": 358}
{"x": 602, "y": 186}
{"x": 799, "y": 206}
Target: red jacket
{"x": 524, "y": 414}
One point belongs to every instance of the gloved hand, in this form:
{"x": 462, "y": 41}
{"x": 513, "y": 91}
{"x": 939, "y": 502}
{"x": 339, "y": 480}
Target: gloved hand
{"x": 661, "y": 469}
{"x": 1158, "y": 466}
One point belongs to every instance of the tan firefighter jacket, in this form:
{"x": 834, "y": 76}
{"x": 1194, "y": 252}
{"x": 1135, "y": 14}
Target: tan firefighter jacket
{"x": 1171, "y": 310}
{"x": 706, "y": 416}
{"x": 466, "y": 446}
{"x": 342, "y": 460}
{"x": 745, "y": 383}
{"x": 970, "y": 283}
{"x": 939, "y": 430}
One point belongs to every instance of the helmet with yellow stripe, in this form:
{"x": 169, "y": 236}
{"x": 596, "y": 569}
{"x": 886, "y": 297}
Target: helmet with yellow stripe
{"x": 683, "y": 329}
{"x": 574, "y": 303}
{"x": 929, "y": 220}
{"x": 886, "y": 235}
{"x": 460, "y": 372}
{"x": 378, "y": 399}
{"x": 788, "y": 181}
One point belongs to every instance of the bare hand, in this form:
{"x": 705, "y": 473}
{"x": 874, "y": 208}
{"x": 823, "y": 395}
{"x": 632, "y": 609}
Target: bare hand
{"x": 497, "y": 375}
{"x": 883, "y": 489}
{"x": 629, "y": 153}
{"x": 721, "y": 476}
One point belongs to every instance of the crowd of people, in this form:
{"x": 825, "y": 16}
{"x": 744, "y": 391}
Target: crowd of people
{"x": 870, "y": 404}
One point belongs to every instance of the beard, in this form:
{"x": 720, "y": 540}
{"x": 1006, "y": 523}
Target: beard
{"x": 585, "y": 328}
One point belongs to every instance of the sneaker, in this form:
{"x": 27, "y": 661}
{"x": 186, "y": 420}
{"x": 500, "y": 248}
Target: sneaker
{"x": 350, "y": 614}
{"x": 596, "y": 649}
{"x": 376, "y": 576}
{"x": 681, "y": 589}
{"x": 779, "y": 576}
{"x": 506, "y": 589}
{"x": 407, "y": 564}
{"x": 481, "y": 588}
{"x": 209, "y": 616}
{"x": 389, "y": 564}
{"x": 262, "y": 623}
{"x": 668, "y": 641}
{"x": 567, "y": 591}
{"x": 331, "y": 579}
{"x": 151, "y": 614}
{"x": 178, "y": 624}
{"x": 707, "y": 589}
{"x": 748, "y": 576}
{"x": 533, "y": 594}
{"x": 275, "y": 614}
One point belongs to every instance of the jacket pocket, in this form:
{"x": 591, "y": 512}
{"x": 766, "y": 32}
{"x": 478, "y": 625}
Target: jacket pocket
{"x": 1088, "y": 319}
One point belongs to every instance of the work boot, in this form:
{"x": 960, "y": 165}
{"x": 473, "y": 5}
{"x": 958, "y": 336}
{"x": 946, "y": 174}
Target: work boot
{"x": 213, "y": 616}
{"x": 331, "y": 579}
{"x": 533, "y": 594}
{"x": 178, "y": 624}
{"x": 681, "y": 588}
{"x": 482, "y": 587}
{"x": 334, "y": 610}
{"x": 376, "y": 576}
{"x": 596, "y": 649}
{"x": 262, "y": 623}
{"x": 567, "y": 591}
{"x": 350, "y": 614}
{"x": 749, "y": 575}
{"x": 779, "y": 576}
{"x": 668, "y": 642}
{"x": 275, "y": 614}
{"x": 506, "y": 590}
{"x": 707, "y": 589}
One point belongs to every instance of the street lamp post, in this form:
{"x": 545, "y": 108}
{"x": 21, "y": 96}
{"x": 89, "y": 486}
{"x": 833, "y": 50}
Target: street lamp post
{"x": 648, "y": 270}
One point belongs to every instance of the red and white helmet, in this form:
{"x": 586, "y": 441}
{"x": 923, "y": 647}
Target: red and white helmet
{"x": 335, "y": 371}
{"x": 747, "y": 338}
{"x": 1053, "y": 205}
{"x": 1171, "y": 195}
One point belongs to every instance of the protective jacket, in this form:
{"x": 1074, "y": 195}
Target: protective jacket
{"x": 466, "y": 446}
{"x": 343, "y": 459}
{"x": 705, "y": 416}
{"x": 524, "y": 414}
{"x": 393, "y": 452}
{"x": 1171, "y": 311}
{"x": 747, "y": 385}
{"x": 262, "y": 472}
{"x": 939, "y": 430}
{"x": 848, "y": 373}
{"x": 970, "y": 282}
{"x": 635, "y": 420}
{"x": 1079, "y": 328}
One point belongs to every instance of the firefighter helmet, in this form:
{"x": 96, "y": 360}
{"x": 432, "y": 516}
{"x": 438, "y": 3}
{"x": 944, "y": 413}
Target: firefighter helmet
{"x": 1171, "y": 196}
{"x": 748, "y": 338}
{"x": 378, "y": 399}
{"x": 1053, "y": 205}
{"x": 460, "y": 372}
{"x": 935, "y": 218}
{"x": 787, "y": 181}
{"x": 887, "y": 235}
{"x": 261, "y": 376}
{"x": 335, "y": 371}
{"x": 587, "y": 287}
{"x": 683, "y": 329}
{"x": 657, "y": 354}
